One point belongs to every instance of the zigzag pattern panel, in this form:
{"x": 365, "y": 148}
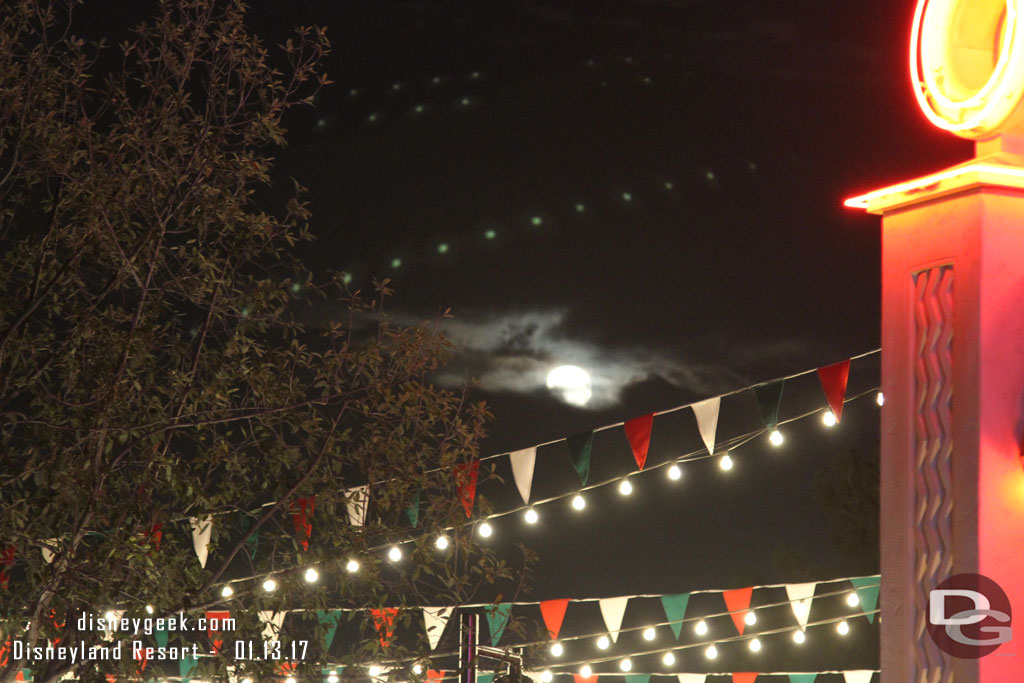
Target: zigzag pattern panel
{"x": 933, "y": 443}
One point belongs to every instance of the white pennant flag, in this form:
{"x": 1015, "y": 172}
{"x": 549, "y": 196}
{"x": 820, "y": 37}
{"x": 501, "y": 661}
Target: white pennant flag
{"x": 272, "y": 622}
{"x": 232, "y": 675}
{"x": 522, "y": 470}
{"x": 706, "y": 413}
{"x": 800, "y": 596}
{"x": 862, "y": 676}
{"x": 612, "y": 610}
{"x": 201, "y": 530}
{"x": 357, "y": 500}
{"x": 48, "y": 547}
{"x": 434, "y": 621}
{"x": 692, "y": 678}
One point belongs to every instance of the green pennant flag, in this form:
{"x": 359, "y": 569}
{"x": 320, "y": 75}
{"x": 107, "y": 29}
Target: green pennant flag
{"x": 253, "y": 539}
{"x": 497, "y": 620}
{"x": 26, "y": 674}
{"x": 769, "y": 396}
{"x": 413, "y": 511}
{"x": 186, "y": 666}
{"x": 867, "y": 591}
{"x": 802, "y": 678}
{"x": 484, "y": 677}
{"x": 675, "y": 610}
{"x": 580, "y": 446}
{"x": 160, "y": 635}
{"x": 638, "y": 678}
{"x": 329, "y": 620}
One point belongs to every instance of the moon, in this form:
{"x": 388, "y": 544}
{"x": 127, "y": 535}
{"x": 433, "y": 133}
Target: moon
{"x": 571, "y": 384}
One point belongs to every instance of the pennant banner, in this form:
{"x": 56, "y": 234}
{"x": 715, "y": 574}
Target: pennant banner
{"x": 638, "y": 431}
{"x": 434, "y": 674}
{"x": 675, "y": 610}
{"x": 497, "y": 620}
{"x": 186, "y": 666}
{"x": 858, "y": 676}
{"x": 637, "y": 678}
{"x": 272, "y": 622}
{"x": 833, "y": 382}
{"x": 800, "y": 596}
{"x": 769, "y": 397}
{"x": 50, "y": 545}
{"x": 738, "y": 603}
{"x": 692, "y": 678}
{"x": 746, "y": 677}
{"x": 802, "y": 678}
{"x": 252, "y": 540}
{"x": 465, "y": 484}
{"x": 580, "y": 446}
{"x": 357, "y": 500}
{"x": 302, "y": 510}
{"x": 413, "y": 511}
{"x": 216, "y": 618}
{"x": 434, "y": 621}
{"x": 522, "y": 470}
{"x": 612, "y": 610}
{"x": 577, "y": 678}
{"x": 484, "y": 677}
{"x": 553, "y": 612}
{"x": 867, "y": 591}
{"x": 329, "y": 621}
{"x": 706, "y": 413}
{"x": 201, "y": 531}
{"x": 384, "y": 623}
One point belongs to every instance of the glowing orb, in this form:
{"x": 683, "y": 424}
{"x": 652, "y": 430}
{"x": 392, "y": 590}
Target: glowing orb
{"x": 571, "y": 384}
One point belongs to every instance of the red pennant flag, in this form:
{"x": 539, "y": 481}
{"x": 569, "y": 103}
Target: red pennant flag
{"x": 155, "y": 535}
{"x": 5, "y": 652}
{"x": 302, "y": 510}
{"x": 577, "y": 678}
{"x": 434, "y": 674}
{"x": 833, "y": 382}
{"x": 6, "y": 562}
{"x": 747, "y": 677}
{"x": 384, "y": 622}
{"x": 285, "y": 668}
{"x": 111, "y": 678}
{"x": 738, "y": 603}
{"x": 19, "y": 676}
{"x": 465, "y": 484}
{"x": 217, "y": 616}
{"x": 638, "y": 431}
{"x": 553, "y": 612}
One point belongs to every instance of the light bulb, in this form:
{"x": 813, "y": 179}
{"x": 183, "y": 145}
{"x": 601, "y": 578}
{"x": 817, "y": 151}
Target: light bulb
{"x": 332, "y": 678}
{"x": 669, "y": 659}
{"x": 649, "y": 633}
{"x": 675, "y": 472}
{"x": 110, "y": 616}
{"x": 557, "y": 649}
{"x": 311, "y": 575}
{"x": 149, "y": 609}
{"x": 701, "y": 628}
{"x": 799, "y": 637}
{"x": 725, "y": 462}
{"x": 843, "y": 628}
{"x": 417, "y": 668}
{"x": 441, "y": 542}
{"x": 625, "y": 488}
{"x": 395, "y": 553}
{"x": 711, "y": 652}
{"x": 270, "y": 585}
{"x": 486, "y": 530}
{"x": 880, "y": 399}
{"x": 374, "y": 670}
{"x": 750, "y": 618}
{"x": 828, "y": 418}
{"x": 531, "y": 516}
{"x": 585, "y": 671}
{"x": 625, "y": 665}
{"x": 775, "y": 438}
{"x": 352, "y": 567}
{"x": 603, "y": 642}
{"x": 249, "y": 680}
{"x": 578, "y": 502}
{"x": 290, "y": 679}
{"x": 852, "y": 600}
{"x": 546, "y": 676}
{"x": 227, "y": 592}
{"x": 755, "y": 645}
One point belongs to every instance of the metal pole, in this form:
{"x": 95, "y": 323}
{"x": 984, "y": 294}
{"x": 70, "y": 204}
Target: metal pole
{"x": 468, "y": 640}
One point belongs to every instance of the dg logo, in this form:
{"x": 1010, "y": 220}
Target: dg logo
{"x": 969, "y": 616}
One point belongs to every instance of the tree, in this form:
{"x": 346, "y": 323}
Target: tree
{"x": 154, "y": 377}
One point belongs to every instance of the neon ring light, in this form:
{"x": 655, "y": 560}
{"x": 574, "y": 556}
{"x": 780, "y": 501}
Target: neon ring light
{"x": 967, "y": 65}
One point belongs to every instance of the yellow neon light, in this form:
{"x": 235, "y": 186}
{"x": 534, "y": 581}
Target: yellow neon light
{"x": 863, "y": 201}
{"x": 933, "y": 42}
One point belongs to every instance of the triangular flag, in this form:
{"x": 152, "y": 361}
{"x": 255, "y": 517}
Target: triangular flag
{"x": 638, "y": 678}
{"x": 434, "y": 621}
{"x": 161, "y": 635}
{"x": 612, "y": 610}
{"x": 769, "y": 397}
{"x": 482, "y": 677}
{"x": 413, "y": 511}
{"x": 216, "y": 618}
{"x": 357, "y": 500}
{"x": 384, "y": 622}
{"x": 465, "y": 484}
{"x": 6, "y": 562}
{"x": 577, "y": 678}
{"x": 744, "y": 677}
{"x": 580, "y": 446}
{"x": 553, "y": 612}
{"x": 706, "y": 413}
{"x": 638, "y": 431}
{"x": 859, "y": 676}
{"x": 272, "y": 622}
{"x": 738, "y": 603}
{"x": 867, "y": 590}
{"x": 692, "y": 678}
{"x": 302, "y": 510}
{"x": 833, "y": 381}
{"x": 497, "y": 620}
{"x": 802, "y": 678}
{"x": 329, "y": 620}
{"x": 800, "y": 596}
{"x": 522, "y": 470}
{"x": 201, "y": 531}
{"x": 50, "y": 545}
{"x": 675, "y": 610}
{"x": 434, "y": 674}
{"x": 186, "y": 666}
{"x": 253, "y": 539}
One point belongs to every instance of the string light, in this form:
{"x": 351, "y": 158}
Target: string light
{"x": 352, "y": 567}
{"x": 843, "y": 628}
{"x": 149, "y": 609}
{"x": 603, "y": 642}
{"x": 332, "y": 678}
{"x": 311, "y": 575}
{"x": 441, "y": 542}
{"x": 750, "y": 618}
{"x": 546, "y": 676}
{"x": 675, "y": 472}
{"x": 828, "y": 418}
{"x": 649, "y": 633}
{"x": 557, "y": 649}
{"x": 880, "y": 399}
{"x": 711, "y": 652}
{"x": 110, "y": 616}
{"x": 669, "y": 659}
{"x": 852, "y": 599}
{"x": 799, "y": 637}
{"x": 701, "y": 628}
{"x": 249, "y": 680}
{"x": 531, "y": 516}
{"x": 625, "y": 488}
{"x": 578, "y": 503}
{"x": 626, "y": 664}
{"x": 725, "y": 462}
{"x": 775, "y": 438}
{"x": 755, "y": 645}
{"x": 290, "y": 679}
{"x": 270, "y": 585}
{"x": 395, "y": 554}
{"x": 486, "y": 530}
{"x": 227, "y": 592}
{"x": 375, "y": 670}
{"x": 585, "y": 671}
{"x": 417, "y": 668}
